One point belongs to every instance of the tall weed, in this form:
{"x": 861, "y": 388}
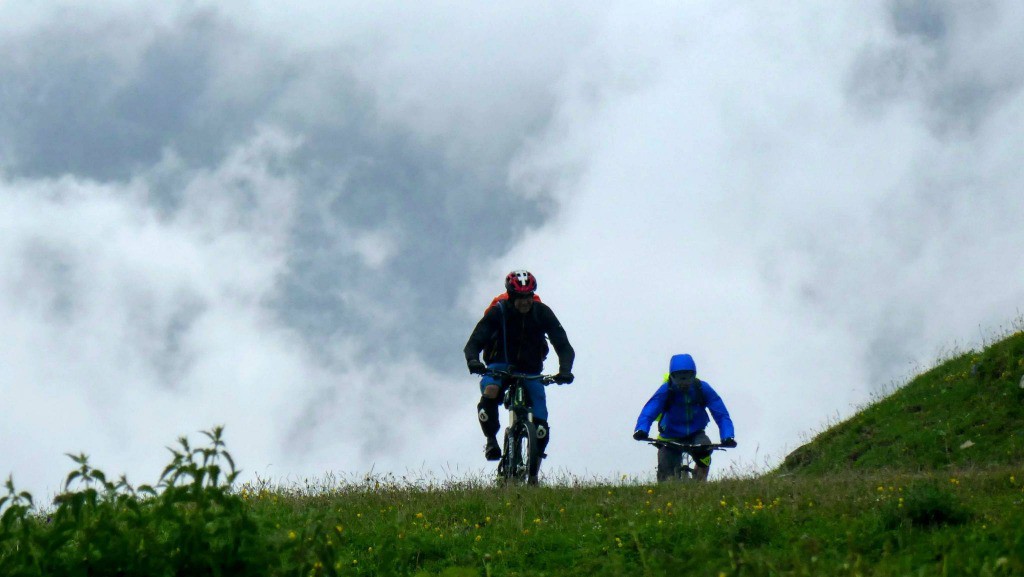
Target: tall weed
{"x": 190, "y": 523}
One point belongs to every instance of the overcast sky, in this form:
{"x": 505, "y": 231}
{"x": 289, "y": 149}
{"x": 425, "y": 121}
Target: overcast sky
{"x": 288, "y": 220}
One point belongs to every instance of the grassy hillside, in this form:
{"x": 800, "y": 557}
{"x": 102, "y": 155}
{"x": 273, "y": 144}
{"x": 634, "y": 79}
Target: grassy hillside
{"x": 967, "y": 412}
{"x": 895, "y": 490}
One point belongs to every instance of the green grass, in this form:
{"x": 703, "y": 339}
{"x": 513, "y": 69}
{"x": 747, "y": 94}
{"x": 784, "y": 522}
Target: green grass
{"x": 965, "y": 413}
{"x": 894, "y": 490}
{"x": 878, "y": 524}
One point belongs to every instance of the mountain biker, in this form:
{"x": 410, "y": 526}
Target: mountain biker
{"x": 681, "y": 405}
{"x": 511, "y": 335}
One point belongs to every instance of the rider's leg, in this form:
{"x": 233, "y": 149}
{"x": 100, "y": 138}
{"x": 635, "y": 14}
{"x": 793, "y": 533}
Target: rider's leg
{"x": 669, "y": 461}
{"x": 539, "y": 405}
{"x": 701, "y": 459}
{"x": 487, "y": 415}
{"x": 487, "y": 408}
{"x": 538, "y": 398}
{"x": 539, "y": 402}
{"x": 543, "y": 434}
{"x": 701, "y": 467}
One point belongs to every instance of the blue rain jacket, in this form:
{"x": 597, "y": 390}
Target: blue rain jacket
{"x": 686, "y": 415}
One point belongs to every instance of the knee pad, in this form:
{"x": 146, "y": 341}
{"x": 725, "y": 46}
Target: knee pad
{"x": 487, "y": 414}
{"x": 542, "y": 429}
{"x": 487, "y": 409}
{"x": 543, "y": 433}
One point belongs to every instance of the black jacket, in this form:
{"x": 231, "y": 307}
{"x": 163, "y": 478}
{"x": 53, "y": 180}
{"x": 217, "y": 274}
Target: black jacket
{"x": 525, "y": 338}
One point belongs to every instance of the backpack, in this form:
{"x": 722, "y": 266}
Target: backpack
{"x": 504, "y": 297}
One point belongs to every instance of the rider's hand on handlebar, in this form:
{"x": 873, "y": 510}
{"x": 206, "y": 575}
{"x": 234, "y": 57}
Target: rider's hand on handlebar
{"x": 729, "y": 442}
{"x": 640, "y": 435}
{"x": 476, "y": 367}
{"x": 564, "y": 377}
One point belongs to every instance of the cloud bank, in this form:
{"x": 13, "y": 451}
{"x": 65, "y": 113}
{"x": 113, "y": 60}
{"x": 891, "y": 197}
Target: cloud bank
{"x": 288, "y": 223}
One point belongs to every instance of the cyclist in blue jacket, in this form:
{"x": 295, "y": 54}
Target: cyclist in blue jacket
{"x": 681, "y": 405}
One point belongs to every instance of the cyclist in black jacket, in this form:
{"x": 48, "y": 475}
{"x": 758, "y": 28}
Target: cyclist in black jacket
{"x": 512, "y": 334}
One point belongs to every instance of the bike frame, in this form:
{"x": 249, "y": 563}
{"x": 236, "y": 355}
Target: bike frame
{"x": 686, "y": 470}
{"x": 519, "y": 428}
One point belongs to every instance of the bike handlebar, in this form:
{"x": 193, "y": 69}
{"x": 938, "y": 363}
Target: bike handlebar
{"x": 546, "y": 379}
{"x": 665, "y": 443}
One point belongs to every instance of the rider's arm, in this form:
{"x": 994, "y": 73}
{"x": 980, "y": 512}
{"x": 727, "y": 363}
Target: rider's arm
{"x": 718, "y": 411}
{"x": 559, "y": 340}
{"x": 483, "y": 332}
{"x": 652, "y": 409}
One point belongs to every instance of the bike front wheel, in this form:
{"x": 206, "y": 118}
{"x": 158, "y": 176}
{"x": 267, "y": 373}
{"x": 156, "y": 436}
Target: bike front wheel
{"x": 521, "y": 460}
{"x": 674, "y": 466}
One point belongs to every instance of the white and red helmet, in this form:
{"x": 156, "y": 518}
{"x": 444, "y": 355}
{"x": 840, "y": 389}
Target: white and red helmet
{"x": 520, "y": 282}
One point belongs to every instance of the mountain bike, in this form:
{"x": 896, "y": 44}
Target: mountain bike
{"x": 520, "y": 455}
{"x": 685, "y": 470}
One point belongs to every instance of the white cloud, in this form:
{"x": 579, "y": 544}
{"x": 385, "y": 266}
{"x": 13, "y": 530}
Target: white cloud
{"x": 126, "y": 328}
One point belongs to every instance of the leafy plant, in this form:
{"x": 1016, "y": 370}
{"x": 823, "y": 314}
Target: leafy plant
{"x": 191, "y": 523}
